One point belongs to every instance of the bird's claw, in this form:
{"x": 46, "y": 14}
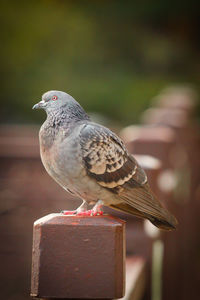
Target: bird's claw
{"x": 82, "y": 213}
{"x": 97, "y": 213}
{"x": 90, "y": 212}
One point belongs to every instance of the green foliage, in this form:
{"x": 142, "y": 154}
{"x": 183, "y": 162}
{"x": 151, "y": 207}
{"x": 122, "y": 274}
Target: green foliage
{"x": 112, "y": 56}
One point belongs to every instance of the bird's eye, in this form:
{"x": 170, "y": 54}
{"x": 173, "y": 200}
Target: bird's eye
{"x": 54, "y": 98}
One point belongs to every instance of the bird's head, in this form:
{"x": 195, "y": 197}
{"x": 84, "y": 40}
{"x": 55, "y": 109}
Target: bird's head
{"x": 57, "y": 102}
{"x": 54, "y": 100}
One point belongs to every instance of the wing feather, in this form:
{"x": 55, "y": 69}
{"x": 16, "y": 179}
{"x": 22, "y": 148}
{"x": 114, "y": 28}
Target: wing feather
{"x": 108, "y": 162}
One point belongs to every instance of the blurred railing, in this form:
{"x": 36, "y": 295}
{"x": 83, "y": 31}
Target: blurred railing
{"x": 171, "y": 134}
{"x": 166, "y": 145}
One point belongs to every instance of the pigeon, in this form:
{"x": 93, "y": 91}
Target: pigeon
{"x": 91, "y": 162}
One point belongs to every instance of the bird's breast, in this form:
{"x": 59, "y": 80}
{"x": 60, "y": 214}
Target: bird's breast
{"x": 62, "y": 160}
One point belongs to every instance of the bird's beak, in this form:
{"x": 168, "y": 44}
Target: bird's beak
{"x": 39, "y": 105}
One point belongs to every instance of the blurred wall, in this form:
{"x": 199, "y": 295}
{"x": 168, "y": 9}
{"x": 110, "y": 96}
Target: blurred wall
{"x": 112, "y": 56}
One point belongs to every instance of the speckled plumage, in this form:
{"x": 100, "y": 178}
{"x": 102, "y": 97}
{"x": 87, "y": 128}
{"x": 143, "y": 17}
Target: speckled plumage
{"x": 93, "y": 163}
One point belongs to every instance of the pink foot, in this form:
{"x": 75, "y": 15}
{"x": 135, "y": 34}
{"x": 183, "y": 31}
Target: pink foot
{"x": 82, "y": 213}
{"x": 91, "y": 213}
{"x": 97, "y": 213}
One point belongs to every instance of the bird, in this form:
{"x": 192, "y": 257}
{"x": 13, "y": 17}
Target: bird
{"x": 91, "y": 162}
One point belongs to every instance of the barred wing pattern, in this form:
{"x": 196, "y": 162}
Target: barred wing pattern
{"x": 107, "y": 161}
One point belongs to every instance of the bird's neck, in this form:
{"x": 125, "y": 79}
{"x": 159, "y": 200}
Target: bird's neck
{"x": 56, "y": 119}
{"x": 62, "y": 119}
{"x": 66, "y": 117}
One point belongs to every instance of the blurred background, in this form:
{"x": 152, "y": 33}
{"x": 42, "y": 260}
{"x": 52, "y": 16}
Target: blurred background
{"x": 134, "y": 66}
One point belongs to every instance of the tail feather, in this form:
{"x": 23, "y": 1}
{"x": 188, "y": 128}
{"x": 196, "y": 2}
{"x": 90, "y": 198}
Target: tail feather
{"x": 164, "y": 220}
{"x": 163, "y": 224}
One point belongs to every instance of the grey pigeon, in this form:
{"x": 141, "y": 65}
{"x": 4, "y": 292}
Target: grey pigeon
{"x": 91, "y": 162}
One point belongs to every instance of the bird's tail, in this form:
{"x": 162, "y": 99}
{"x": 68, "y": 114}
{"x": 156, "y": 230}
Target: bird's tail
{"x": 163, "y": 220}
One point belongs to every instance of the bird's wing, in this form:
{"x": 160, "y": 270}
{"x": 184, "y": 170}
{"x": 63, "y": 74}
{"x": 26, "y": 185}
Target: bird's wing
{"x": 108, "y": 162}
